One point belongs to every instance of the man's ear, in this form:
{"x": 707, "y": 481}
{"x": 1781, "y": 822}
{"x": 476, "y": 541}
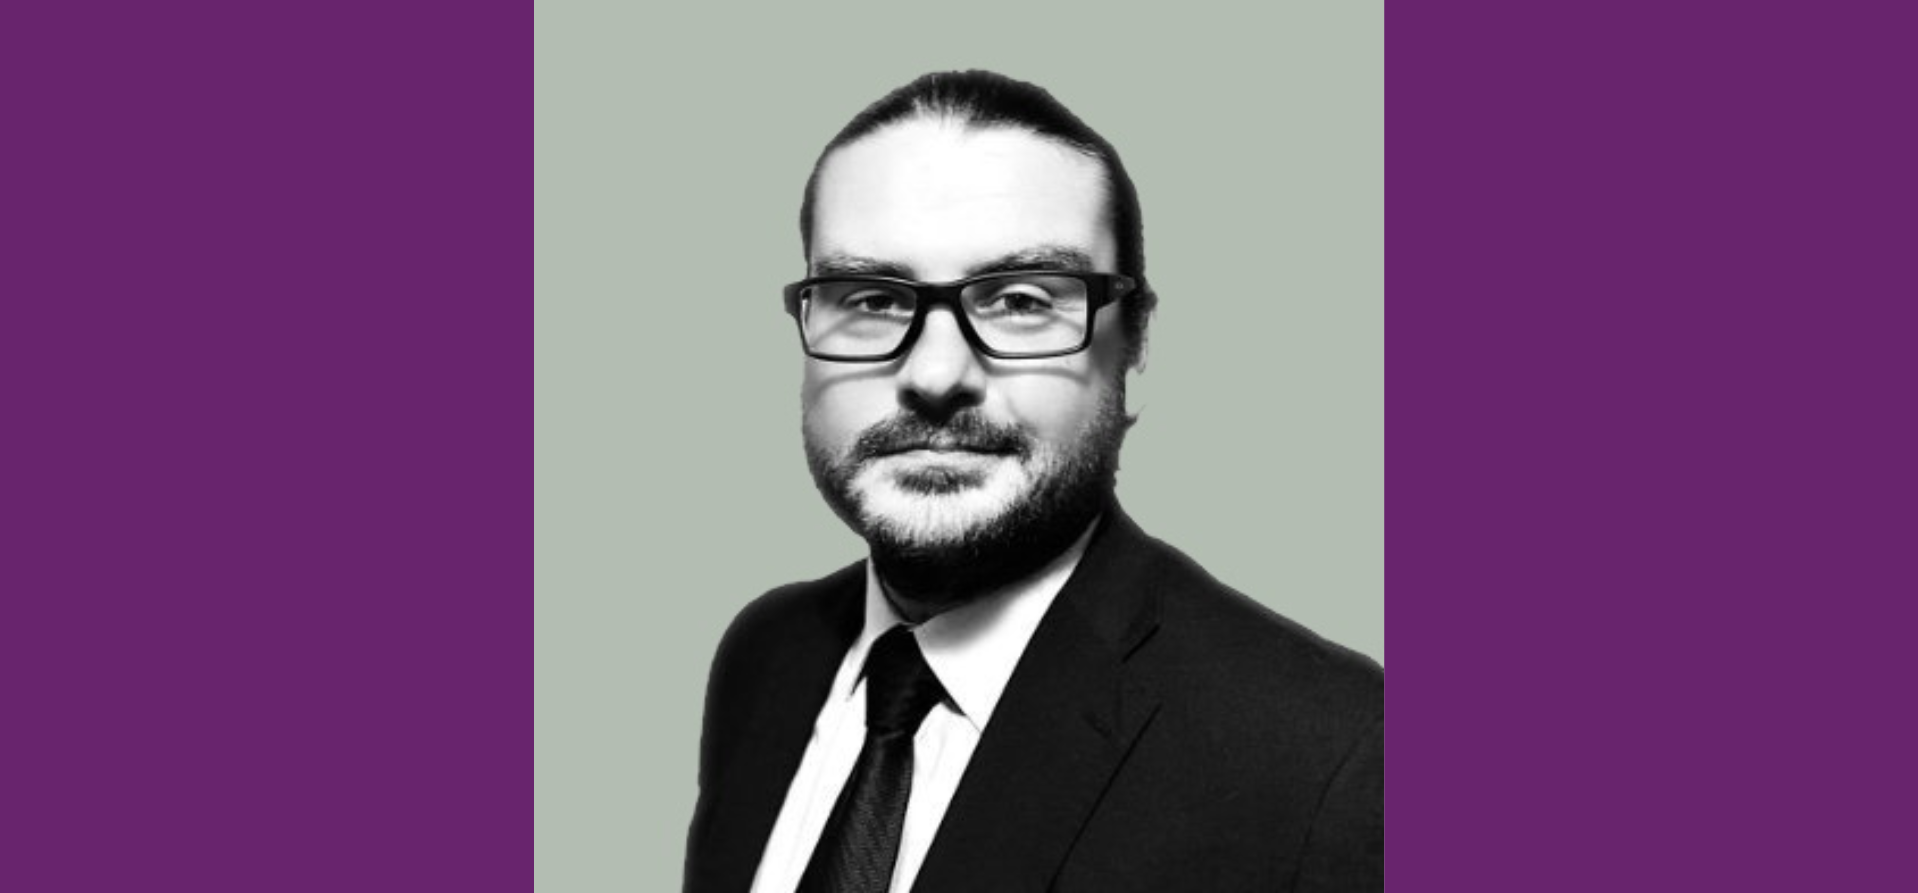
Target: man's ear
{"x": 1136, "y": 389}
{"x": 1136, "y": 386}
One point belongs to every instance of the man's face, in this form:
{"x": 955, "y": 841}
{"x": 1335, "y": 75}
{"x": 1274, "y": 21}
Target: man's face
{"x": 944, "y": 451}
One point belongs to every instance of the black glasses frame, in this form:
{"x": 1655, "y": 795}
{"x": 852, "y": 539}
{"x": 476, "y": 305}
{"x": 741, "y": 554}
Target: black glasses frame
{"x": 1101, "y": 289}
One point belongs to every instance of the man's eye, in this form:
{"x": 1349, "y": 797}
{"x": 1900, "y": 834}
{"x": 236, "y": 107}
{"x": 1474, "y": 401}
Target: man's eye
{"x": 873, "y": 301}
{"x": 1020, "y": 301}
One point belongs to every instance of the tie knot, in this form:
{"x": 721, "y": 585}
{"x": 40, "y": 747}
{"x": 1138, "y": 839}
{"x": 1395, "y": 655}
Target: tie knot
{"x": 900, "y": 688}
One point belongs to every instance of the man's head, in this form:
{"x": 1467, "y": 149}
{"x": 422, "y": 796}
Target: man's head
{"x": 962, "y": 470}
{"x": 983, "y": 100}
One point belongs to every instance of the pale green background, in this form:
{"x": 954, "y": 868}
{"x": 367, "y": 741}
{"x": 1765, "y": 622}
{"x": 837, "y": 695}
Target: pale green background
{"x": 671, "y": 149}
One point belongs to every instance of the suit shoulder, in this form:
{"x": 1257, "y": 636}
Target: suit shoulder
{"x": 780, "y": 628}
{"x": 1215, "y": 631}
{"x": 787, "y": 607}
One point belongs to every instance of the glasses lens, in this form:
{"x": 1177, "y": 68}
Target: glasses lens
{"x": 1029, "y": 314}
{"x": 855, "y": 319}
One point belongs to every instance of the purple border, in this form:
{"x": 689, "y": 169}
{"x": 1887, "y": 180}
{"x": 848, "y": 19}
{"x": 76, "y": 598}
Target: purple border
{"x": 268, "y": 325}
{"x": 1650, "y": 403}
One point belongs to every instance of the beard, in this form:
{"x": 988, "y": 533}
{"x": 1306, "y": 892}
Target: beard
{"x": 946, "y": 532}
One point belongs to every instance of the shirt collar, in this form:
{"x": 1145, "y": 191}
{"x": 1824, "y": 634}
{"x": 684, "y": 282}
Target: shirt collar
{"x": 972, "y": 648}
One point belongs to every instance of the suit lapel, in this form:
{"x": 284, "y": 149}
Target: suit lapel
{"x": 775, "y": 729}
{"x": 1064, "y": 725}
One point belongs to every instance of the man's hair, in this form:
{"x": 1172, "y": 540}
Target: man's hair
{"x": 984, "y": 99}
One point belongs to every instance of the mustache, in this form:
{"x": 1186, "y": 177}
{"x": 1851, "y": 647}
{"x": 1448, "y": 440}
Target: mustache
{"x": 966, "y": 430}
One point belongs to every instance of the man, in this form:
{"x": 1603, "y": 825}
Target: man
{"x": 1018, "y": 690}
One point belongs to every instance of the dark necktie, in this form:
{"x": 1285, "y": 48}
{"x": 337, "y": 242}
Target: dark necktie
{"x": 857, "y": 849}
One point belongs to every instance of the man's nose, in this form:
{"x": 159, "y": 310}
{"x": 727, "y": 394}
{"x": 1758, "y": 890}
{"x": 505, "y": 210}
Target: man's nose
{"x": 941, "y": 374}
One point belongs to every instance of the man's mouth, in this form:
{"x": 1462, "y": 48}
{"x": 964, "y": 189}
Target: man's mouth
{"x": 945, "y": 444}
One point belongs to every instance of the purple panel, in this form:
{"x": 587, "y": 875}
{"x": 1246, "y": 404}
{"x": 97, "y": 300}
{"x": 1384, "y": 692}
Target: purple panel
{"x": 1650, "y": 403}
{"x": 266, "y": 307}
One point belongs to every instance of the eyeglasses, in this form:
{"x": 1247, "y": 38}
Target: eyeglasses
{"x": 1022, "y": 315}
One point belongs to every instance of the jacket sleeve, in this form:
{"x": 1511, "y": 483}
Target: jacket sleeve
{"x": 718, "y": 683}
{"x": 1346, "y": 849}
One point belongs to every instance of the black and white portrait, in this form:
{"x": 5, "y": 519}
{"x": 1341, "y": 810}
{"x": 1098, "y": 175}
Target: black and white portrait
{"x": 965, "y": 474}
{"x": 1018, "y": 688}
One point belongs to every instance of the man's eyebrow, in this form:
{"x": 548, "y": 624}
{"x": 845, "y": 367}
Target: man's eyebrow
{"x": 1051, "y": 258}
{"x": 854, "y": 265}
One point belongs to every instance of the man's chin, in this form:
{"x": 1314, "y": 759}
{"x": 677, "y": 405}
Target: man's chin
{"x": 937, "y": 481}
{"x": 928, "y": 473}
{"x": 930, "y": 511}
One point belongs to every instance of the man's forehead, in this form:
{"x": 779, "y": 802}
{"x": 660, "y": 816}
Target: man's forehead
{"x": 941, "y": 198}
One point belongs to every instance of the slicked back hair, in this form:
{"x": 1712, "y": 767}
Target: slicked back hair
{"x": 982, "y": 100}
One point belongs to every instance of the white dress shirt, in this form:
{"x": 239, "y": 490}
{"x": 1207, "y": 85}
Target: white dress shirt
{"x": 973, "y": 650}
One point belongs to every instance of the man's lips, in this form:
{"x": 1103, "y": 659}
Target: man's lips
{"x": 945, "y": 443}
{"x": 956, "y": 449}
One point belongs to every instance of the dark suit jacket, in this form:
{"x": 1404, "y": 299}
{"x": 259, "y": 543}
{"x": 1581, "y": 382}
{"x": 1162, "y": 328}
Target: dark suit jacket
{"x": 1162, "y": 732}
